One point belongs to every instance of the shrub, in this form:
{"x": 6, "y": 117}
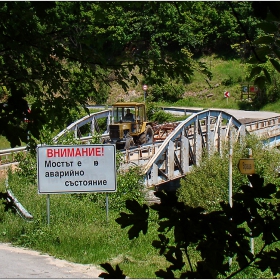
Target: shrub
{"x": 207, "y": 185}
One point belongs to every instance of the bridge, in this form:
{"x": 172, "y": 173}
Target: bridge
{"x": 181, "y": 144}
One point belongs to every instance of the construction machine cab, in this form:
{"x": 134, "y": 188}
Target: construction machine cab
{"x": 129, "y": 125}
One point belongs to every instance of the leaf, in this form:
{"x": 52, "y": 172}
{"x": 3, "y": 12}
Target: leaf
{"x": 165, "y": 274}
{"x": 255, "y": 71}
{"x": 175, "y": 256}
{"x": 266, "y": 40}
{"x": 277, "y": 195}
{"x": 276, "y": 51}
{"x": 267, "y": 75}
{"x": 256, "y": 180}
{"x": 161, "y": 244}
{"x": 242, "y": 261}
{"x": 262, "y": 53}
{"x": 267, "y": 27}
{"x": 260, "y": 81}
{"x": 269, "y": 260}
{"x": 138, "y": 219}
{"x": 112, "y": 273}
{"x": 275, "y": 64}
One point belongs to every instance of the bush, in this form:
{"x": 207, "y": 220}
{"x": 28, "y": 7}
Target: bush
{"x": 207, "y": 185}
{"x": 168, "y": 92}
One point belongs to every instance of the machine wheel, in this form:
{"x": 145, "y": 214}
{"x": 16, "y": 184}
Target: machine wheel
{"x": 129, "y": 142}
{"x": 147, "y": 136}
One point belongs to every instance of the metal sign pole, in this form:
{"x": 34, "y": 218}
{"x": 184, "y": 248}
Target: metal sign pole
{"x": 145, "y": 88}
{"x": 251, "y": 238}
{"x": 230, "y": 169}
{"x": 48, "y": 209}
{"x": 107, "y": 208}
{"x": 230, "y": 179}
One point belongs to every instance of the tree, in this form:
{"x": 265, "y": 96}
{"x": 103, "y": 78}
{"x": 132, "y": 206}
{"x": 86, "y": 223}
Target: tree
{"x": 57, "y": 55}
{"x": 199, "y": 244}
{"x": 265, "y": 52}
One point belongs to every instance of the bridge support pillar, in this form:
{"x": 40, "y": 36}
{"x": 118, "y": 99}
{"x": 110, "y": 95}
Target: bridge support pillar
{"x": 222, "y": 139}
{"x": 154, "y": 175}
{"x": 185, "y": 153}
{"x": 198, "y": 149}
{"x": 241, "y": 132}
{"x": 208, "y": 134}
{"x": 92, "y": 126}
{"x": 170, "y": 160}
{"x": 76, "y": 131}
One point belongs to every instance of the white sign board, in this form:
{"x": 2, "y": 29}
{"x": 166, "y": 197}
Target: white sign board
{"x": 76, "y": 169}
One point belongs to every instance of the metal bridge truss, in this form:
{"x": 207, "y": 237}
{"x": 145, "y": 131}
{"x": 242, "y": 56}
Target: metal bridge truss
{"x": 183, "y": 148}
{"x": 92, "y": 119}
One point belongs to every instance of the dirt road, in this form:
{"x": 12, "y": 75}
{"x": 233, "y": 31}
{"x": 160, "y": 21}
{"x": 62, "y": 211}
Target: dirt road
{"x": 18, "y": 262}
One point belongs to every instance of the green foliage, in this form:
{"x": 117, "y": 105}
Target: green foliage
{"x": 216, "y": 236}
{"x": 265, "y": 46}
{"x": 27, "y": 166}
{"x": 155, "y": 113}
{"x": 162, "y": 116}
{"x": 129, "y": 186}
{"x": 152, "y": 108}
{"x": 207, "y": 184}
{"x": 71, "y": 50}
{"x": 170, "y": 92}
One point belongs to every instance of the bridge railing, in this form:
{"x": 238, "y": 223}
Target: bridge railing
{"x": 264, "y": 123}
{"x": 7, "y": 156}
{"x": 139, "y": 155}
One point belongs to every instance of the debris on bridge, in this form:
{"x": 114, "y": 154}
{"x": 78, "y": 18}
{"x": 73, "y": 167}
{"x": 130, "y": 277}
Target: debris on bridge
{"x": 162, "y": 131}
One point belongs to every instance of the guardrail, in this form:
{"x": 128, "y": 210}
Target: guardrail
{"x": 7, "y": 156}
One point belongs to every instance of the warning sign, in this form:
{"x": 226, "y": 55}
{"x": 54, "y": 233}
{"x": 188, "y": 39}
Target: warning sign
{"x": 76, "y": 169}
{"x": 246, "y": 166}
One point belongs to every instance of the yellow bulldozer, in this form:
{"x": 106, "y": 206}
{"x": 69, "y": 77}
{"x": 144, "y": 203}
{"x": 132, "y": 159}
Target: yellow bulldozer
{"x": 129, "y": 125}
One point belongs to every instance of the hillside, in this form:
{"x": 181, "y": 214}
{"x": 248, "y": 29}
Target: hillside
{"x": 228, "y": 75}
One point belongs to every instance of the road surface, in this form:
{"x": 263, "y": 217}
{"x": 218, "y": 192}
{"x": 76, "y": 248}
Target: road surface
{"x": 18, "y": 263}
{"x": 241, "y": 115}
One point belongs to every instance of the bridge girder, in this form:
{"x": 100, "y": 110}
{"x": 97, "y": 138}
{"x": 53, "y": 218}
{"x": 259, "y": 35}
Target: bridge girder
{"x": 207, "y": 130}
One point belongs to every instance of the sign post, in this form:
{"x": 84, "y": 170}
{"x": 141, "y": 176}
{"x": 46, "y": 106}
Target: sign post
{"x": 226, "y": 94}
{"x": 76, "y": 169}
{"x": 48, "y": 209}
{"x": 247, "y": 166}
{"x": 145, "y": 88}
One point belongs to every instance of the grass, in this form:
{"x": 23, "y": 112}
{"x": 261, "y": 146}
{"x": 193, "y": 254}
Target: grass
{"x": 272, "y": 107}
{"x": 4, "y": 143}
{"x": 78, "y": 231}
{"x": 227, "y": 76}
